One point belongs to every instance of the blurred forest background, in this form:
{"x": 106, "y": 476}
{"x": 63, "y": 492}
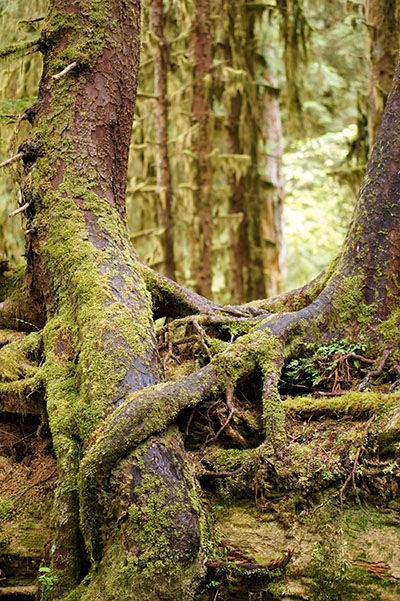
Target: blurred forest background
{"x": 253, "y": 125}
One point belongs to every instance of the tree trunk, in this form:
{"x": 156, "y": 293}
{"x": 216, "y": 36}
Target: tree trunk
{"x": 200, "y": 51}
{"x": 81, "y": 265}
{"x": 164, "y": 182}
{"x": 256, "y": 246}
{"x": 382, "y": 21}
{"x": 271, "y": 169}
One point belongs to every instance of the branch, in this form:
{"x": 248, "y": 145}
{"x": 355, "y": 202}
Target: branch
{"x": 13, "y": 159}
{"x": 35, "y": 20}
{"x": 23, "y": 208}
{"x": 19, "y": 49}
{"x": 66, "y": 70}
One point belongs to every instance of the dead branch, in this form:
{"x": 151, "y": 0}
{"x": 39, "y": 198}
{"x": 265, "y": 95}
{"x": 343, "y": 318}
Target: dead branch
{"x": 23, "y": 208}
{"x": 11, "y": 160}
{"x": 66, "y": 70}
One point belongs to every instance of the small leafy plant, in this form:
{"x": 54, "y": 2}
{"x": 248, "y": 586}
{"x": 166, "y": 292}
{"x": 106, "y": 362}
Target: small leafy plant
{"x": 330, "y": 366}
{"x": 47, "y": 580}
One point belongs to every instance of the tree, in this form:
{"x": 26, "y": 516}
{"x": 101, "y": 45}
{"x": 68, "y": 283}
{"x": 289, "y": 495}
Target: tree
{"x": 382, "y": 21}
{"x": 125, "y": 485}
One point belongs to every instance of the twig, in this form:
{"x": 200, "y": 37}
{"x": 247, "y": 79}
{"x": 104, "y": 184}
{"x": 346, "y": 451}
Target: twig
{"x": 35, "y": 20}
{"x": 13, "y": 159}
{"x": 23, "y": 208}
{"x": 65, "y": 71}
{"x": 377, "y": 371}
{"x": 12, "y": 444}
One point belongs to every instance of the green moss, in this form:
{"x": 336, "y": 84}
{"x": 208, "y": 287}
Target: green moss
{"x": 354, "y": 404}
{"x": 350, "y": 305}
{"x": 19, "y": 49}
{"x": 390, "y": 328}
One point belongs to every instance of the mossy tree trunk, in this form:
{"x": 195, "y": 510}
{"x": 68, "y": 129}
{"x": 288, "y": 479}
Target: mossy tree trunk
{"x": 82, "y": 268}
{"x": 126, "y": 486}
{"x": 256, "y": 192}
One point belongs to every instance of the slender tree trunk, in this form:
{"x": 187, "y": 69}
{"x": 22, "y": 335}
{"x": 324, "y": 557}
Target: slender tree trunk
{"x": 201, "y": 52}
{"x": 256, "y": 247}
{"x": 164, "y": 182}
{"x": 271, "y": 169}
{"x": 382, "y": 21}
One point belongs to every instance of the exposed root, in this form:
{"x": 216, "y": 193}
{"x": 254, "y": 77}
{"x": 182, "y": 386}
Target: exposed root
{"x": 275, "y": 564}
{"x": 231, "y": 408}
{"x": 376, "y": 372}
{"x": 170, "y": 353}
{"x": 213, "y": 475}
{"x": 174, "y": 300}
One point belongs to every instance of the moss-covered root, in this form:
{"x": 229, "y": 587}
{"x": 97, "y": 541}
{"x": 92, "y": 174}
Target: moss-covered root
{"x": 143, "y": 414}
{"x": 273, "y": 411}
{"x": 174, "y": 300}
{"x": 155, "y": 528}
{"x": 66, "y": 552}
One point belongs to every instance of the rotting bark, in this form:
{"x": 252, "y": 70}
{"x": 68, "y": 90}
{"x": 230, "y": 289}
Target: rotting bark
{"x": 126, "y": 485}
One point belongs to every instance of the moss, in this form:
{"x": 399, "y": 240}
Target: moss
{"x": 353, "y": 404}
{"x": 349, "y": 303}
{"x": 15, "y": 363}
{"x": 389, "y": 329}
{"x": 155, "y": 515}
{"x": 19, "y": 49}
